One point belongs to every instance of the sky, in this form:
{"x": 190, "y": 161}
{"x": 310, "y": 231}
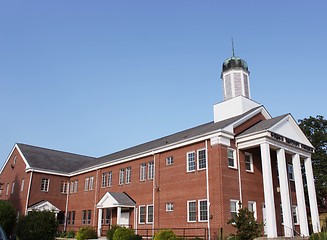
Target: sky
{"x": 95, "y": 77}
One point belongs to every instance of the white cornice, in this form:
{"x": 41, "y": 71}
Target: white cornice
{"x": 10, "y": 154}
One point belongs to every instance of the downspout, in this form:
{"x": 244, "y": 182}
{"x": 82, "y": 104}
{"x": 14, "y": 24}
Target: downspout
{"x": 29, "y": 191}
{"x": 153, "y": 189}
{"x": 66, "y": 210}
{"x": 207, "y": 183}
{"x": 95, "y": 196}
{"x": 239, "y": 173}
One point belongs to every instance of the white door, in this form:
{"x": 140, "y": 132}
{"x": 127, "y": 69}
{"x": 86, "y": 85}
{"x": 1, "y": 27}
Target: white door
{"x": 264, "y": 218}
{"x": 124, "y": 218}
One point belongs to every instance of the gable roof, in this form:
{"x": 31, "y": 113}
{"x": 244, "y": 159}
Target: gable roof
{"x": 53, "y": 160}
{"x": 115, "y": 199}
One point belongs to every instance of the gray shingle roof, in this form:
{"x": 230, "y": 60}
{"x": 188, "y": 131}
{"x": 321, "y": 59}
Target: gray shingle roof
{"x": 263, "y": 125}
{"x": 122, "y": 198}
{"x": 53, "y": 160}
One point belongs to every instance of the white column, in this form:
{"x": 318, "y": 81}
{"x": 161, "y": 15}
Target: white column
{"x": 284, "y": 193}
{"x": 118, "y": 215}
{"x": 312, "y": 195}
{"x": 99, "y": 221}
{"x": 268, "y": 191}
{"x": 302, "y": 212}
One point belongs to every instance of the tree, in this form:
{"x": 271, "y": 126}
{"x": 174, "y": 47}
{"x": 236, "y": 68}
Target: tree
{"x": 37, "y": 225}
{"x": 247, "y": 227}
{"x": 315, "y": 129}
{"x": 7, "y": 216}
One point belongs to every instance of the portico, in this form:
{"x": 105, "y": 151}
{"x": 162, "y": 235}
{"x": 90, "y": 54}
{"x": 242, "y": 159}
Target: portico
{"x": 269, "y": 136}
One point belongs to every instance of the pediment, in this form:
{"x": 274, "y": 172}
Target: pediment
{"x": 44, "y": 206}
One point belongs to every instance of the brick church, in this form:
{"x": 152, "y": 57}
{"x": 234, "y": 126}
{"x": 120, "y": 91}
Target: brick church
{"x": 194, "y": 180}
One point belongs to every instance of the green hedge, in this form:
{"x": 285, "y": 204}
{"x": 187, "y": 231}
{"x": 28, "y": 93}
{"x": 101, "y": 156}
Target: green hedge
{"x": 86, "y": 233}
{"x": 7, "y": 216}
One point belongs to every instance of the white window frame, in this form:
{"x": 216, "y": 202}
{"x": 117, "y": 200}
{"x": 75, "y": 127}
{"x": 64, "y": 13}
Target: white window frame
{"x": 63, "y": 187}
{"x": 75, "y": 186}
{"x": 234, "y": 158}
{"x": 109, "y": 179}
{"x": 295, "y": 213}
{"x": 104, "y": 180}
{"x": 237, "y": 206}
{"x": 128, "y": 175}
{"x": 188, "y": 211}
{"x": 15, "y": 160}
{"x": 151, "y": 170}
{"x": 45, "y": 184}
{"x": 148, "y": 213}
{"x": 22, "y": 185}
{"x": 254, "y": 206}
{"x": 7, "y": 189}
{"x": 198, "y": 159}
{"x": 91, "y": 184}
{"x": 86, "y": 184}
{"x": 121, "y": 176}
{"x": 199, "y": 210}
{"x": 189, "y": 160}
{"x": 169, "y": 207}
{"x": 290, "y": 171}
{"x": 142, "y": 206}
{"x": 251, "y": 162}
{"x": 142, "y": 171}
{"x": 12, "y": 188}
{"x": 71, "y": 190}
{"x": 169, "y": 160}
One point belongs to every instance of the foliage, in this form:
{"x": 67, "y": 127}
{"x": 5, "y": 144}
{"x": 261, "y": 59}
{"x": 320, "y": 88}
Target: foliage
{"x": 315, "y": 129}
{"x": 111, "y": 231}
{"x": 318, "y": 236}
{"x": 247, "y": 227}
{"x": 70, "y": 234}
{"x": 7, "y": 216}
{"x": 86, "y": 233}
{"x": 136, "y": 237}
{"x": 166, "y": 234}
{"x": 123, "y": 233}
{"x": 37, "y": 225}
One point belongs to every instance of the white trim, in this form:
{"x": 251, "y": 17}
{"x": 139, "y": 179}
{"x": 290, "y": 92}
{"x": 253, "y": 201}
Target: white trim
{"x": 187, "y": 162}
{"x": 247, "y": 154}
{"x": 254, "y": 204}
{"x": 169, "y": 207}
{"x": 197, "y": 159}
{"x": 199, "y": 210}
{"x": 188, "y": 211}
{"x": 237, "y": 202}
{"x": 140, "y": 214}
{"x": 10, "y": 154}
{"x": 28, "y": 192}
{"x": 147, "y": 213}
{"x": 234, "y": 158}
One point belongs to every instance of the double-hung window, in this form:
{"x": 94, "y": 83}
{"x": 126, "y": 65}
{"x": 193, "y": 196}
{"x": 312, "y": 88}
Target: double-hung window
{"x": 104, "y": 180}
{"x": 191, "y": 211}
{"x": 203, "y": 210}
{"x": 191, "y": 161}
{"x": 91, "y": 183}
{"x": 109, "y": 179}
{"x": 252, "y": 207}
{"x": 71, "y": 187}
{"x": 231, "y": 154}
{"x": 45, "y": 184}
{"x": 63, "y": 186}
{"x": 75, "y": 186}
{"x": 151, "y": 170}
{"x": 142, "y": 215}
{"x": 86, "y": 184}
{"x": 249, "y": 162}
{"x": 294, "y": 214}
{"x": 169, "y": 160}
{"x": 143, "y": 172}
{"x": 202, "y": 159}
{"x": 121, "y": 176}
{"x": 169, "y": 207}
{"x": 234, "y": 208}
{"x": 149, "y": 216}
{"x": 12, "y": 187}
{"x": 22, "y": 185}
{"x": 290, "y": 172}
{"x": 128, "y": 175}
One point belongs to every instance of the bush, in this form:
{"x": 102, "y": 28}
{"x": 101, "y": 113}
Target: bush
{"x": 318, "y": 236}
{"x": 111, "y": 231}
{"x": 86, "y": 233}
{"x": 37, "y": 225}
{"x": 136, "y": 237}
{"x": 122, "y": 233}
{"x": 7, "y": 216}
{"x": 165, "y": 235}
{"x": 70, "y": 234}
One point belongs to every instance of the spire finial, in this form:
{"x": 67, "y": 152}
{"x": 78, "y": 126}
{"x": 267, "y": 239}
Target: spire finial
{"x": 233, "y": 47}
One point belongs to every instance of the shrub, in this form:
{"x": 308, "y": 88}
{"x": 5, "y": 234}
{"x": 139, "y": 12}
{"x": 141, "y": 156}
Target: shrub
{"x": 136, "y": 237}
{"x": 7, "y": 216}
{"x": 86, "y": 233}
{"x": 37, "y": 225}
{"x": 165, "y": 235}
{"x": 70, "y": 234}
{"x": 318, "y": 236}
{"x": 122, "y": 233}
{"x": 111, "y": 231}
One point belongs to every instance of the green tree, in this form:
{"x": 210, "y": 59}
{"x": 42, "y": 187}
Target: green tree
{"x": 247, "y": 227}
{"x": 315, "y": 129}
{"x": 7, "y": 216}
{"x": 37, "y": 225}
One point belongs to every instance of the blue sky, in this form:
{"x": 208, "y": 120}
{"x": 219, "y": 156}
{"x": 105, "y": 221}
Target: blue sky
{"x": 95, "y": 77}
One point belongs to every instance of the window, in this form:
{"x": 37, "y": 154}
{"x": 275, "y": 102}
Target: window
{"x": 191, "y": 161}
{"x": 128, "y": 174}
{"x": 142, "y": 171}
{"x": 248, "y": 162}
{"x": 290, "y": 172}
{"x": 203, "y": 210}
{"x": 191, "y": 211}
{"x": 7, "y": 189}
{"x": 169, "y": 207}
{"x": 68, "y": 217}
{"x": 15, "y": 159}
{"x": 149, "y": 218}
{"x": 104, "y": 180}
{"x": 169, "y": 160}
{"x": 151, "y": 170}
{"x": 121, "y": 176}
{"x": 294, "y": 214}
{"x": 89, "y": 213}
{"x": 252, "y": 206}
{"x": 63, "y": 187}
{"x": 71, "y": 188}
{"x": 91, "y": 183}
{"x": 45, "y": 184}
{"x": 281, "y": 212}
{"x": 73, "y": 217}
{"x": 233, "y": 208}
{"x": 231, "y": 158}
{"x": 142, "y": 214}
{"x": 86, "y": 184}
{"x": 75, "y": 186}
{"x": 22, "y": 185}
{"x": 107, "y": 216}
{"x": 109, "y": 179}
{"x": 86, "y": 217}
{"x": 13, "y": 187}
{"x": 202, "y": 159}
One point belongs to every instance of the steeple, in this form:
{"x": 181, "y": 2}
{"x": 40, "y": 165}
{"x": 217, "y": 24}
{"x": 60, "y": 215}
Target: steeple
{"x": 235, "y": 77}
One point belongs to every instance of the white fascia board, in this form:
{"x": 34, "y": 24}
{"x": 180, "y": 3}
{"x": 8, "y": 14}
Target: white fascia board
{"x": 38, "y": 170}
{"x": 10, "y": 154}
{"x": 152, "y": 152}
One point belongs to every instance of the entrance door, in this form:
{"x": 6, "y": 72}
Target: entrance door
{"x": 124, "y": 218}
{"x": 264, "y": 218}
